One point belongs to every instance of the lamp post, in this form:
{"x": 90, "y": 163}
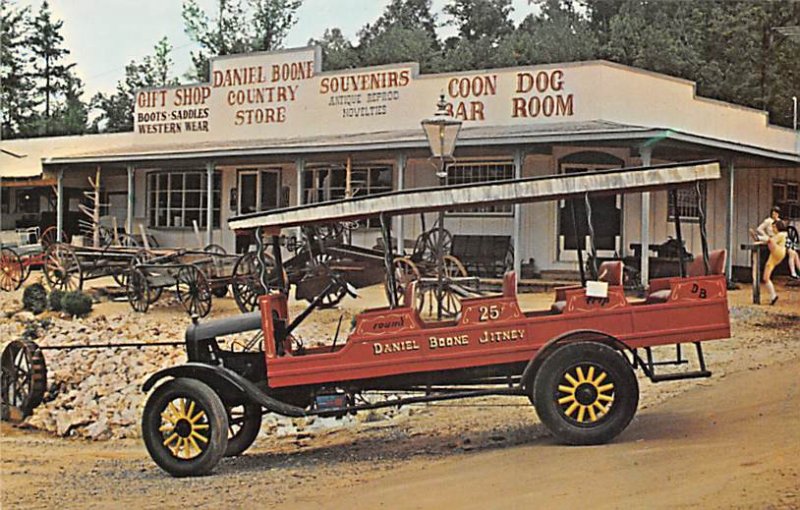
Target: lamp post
{"x": 442, "y": 131}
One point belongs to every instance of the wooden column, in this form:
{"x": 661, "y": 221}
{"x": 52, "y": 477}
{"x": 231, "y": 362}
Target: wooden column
{"x": 646, "y": 153}
{"x": 131, "y": 202}
{"x": 60, "y": 205}
{"x": 210, "y": 202}
{"x": 519, "y": 158}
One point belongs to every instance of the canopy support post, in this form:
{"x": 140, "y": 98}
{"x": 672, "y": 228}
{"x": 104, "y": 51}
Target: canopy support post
{"x": 401, "y": 177}
{"x": 577, "y": 237}
{"x": 388, "y": 260}
{"x": 701, "y": 187}
{"x": 644, "y": 262}
{"x": 673, "y": 195}
{"x": 590, "y": 227}
{"x": 519, "y": 158}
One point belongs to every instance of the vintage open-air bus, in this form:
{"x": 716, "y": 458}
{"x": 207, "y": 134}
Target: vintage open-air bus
{"x": 574, "y": 360}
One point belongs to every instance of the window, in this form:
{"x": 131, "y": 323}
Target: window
{"x": 178, "y": 198}
{"x": 687, "y": 204}
{"x": 259, "y": 190}
{"x": 28, "y": 200}
{"x": 475, "y": 172}
{"x": 786, "y": 195}
{"x": 322, "y": 184}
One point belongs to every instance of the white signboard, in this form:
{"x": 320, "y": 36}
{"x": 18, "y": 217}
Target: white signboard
{"x": 284, "y": 95}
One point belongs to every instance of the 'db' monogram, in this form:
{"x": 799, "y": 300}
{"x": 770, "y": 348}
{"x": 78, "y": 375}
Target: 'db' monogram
{"x": 696, "y": 289}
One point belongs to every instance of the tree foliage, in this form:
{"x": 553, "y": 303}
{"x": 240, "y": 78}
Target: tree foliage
{"x": 16, "y": 97}
{"x": 116, "y": 110}
{"x": 240, "y": 26}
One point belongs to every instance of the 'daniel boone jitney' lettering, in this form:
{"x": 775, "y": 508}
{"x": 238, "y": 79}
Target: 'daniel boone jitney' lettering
{"x": 541, "y": 95}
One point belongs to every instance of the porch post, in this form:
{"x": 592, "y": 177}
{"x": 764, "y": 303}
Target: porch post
{"x": 729, "y": 222}
{"x": 60, "y": 205}
{"x": 300, "y": 166}
{"x": 644, "y": 262}
{"x": 401, "y": 177}
{"x": 131, "y": 203}
{"x": 519, "y": 157}
{"x": 210, "y": 202}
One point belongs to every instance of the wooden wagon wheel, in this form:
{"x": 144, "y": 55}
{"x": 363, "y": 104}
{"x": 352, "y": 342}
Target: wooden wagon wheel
{"x": 62, "y": 269}
{"x": 138, "y": 290}
{"x": 24, "y": 379}
{"x": 405, "y": 271}
{"x": 426, "y": 246}
{"x": 335, "y": 296}
{"x": 453, "y": 268}
{"x": 194, "y": 292}
{"x": 12, "y": 274}
{"x": 245, "y": 281}
{"x": 217, "y": 252}
{"x": 50, "y": 236}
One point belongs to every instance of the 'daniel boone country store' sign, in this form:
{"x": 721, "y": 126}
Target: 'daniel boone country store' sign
{"x": 284, "y": 95}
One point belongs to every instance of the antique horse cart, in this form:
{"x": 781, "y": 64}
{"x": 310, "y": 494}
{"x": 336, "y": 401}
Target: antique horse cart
{"x": 195, "y": 275}
{"x": 320, "y": 251}
{"x": 575, "y": 361}
{"x": 22, "y": 250}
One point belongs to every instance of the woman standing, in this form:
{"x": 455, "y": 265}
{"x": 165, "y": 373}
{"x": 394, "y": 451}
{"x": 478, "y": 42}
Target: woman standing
{"x": 777, "y": 252}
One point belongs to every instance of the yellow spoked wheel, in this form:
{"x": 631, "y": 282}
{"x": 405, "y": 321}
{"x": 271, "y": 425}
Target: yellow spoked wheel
{"x": 585, "y": 393}
{"x": 185, "y": 427}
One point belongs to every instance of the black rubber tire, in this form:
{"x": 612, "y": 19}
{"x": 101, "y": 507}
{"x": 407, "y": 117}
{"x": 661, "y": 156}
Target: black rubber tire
{"x": 216, "y": 418}
{"x": 24, "y": 379}
{"x": 243, "y": 428}
{"x": 565, "y": 362}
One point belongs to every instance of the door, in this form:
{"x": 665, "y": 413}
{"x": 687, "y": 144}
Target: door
{"x": 606, "y": 221}
{"x": 259, "y": 190}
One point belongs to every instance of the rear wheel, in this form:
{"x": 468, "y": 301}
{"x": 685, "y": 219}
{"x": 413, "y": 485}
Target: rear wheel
{"x": 12, "y": 273}
{"x": 244, "y": 424}
{"x": 585, "y": 393}
{"x": 185, "y": 427}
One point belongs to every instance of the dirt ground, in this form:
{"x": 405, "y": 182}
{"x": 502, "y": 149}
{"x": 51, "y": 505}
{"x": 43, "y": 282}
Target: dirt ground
{"x": 731, "y": 441}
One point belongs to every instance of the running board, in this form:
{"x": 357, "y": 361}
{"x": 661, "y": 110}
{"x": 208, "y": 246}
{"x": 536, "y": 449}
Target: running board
{"x": 649, "y": 365}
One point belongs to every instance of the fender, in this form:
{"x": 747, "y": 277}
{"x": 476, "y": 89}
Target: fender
{"x": 580, "y": 335}
{"x": 225, "y": 382}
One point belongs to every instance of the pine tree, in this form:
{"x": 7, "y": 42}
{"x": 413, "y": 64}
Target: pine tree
{"x": 51, "y": 74}
{"x": 16, "y": 100}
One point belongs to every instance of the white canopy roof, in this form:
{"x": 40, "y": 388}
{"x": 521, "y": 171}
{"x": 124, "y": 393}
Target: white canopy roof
{"x": 552, "y": 187}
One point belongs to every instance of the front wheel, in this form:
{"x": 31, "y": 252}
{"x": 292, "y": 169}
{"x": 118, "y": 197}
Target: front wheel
{"x": 185, "y": 427}
{"x": 585, "y": 393}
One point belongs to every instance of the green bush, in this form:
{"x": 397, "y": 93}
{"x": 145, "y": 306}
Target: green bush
{"x": 34, "y": 299}
{"x": 76, "y": 303}
{"x": 55, "y": 300}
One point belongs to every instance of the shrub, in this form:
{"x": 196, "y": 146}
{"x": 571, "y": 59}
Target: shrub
{"x": 34, "y": 299}
{"x": 76, "y": 303}
{"x": 55, "y": 300}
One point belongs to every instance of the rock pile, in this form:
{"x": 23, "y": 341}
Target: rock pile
{"x": 97, "y": 393}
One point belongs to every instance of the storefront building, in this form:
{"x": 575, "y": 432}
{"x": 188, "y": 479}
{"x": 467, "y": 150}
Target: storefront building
{"x": 271, "y": 130}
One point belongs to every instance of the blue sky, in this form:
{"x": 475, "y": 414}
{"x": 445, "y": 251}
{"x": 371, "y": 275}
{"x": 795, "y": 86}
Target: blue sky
{"x": 104, "y": 35}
